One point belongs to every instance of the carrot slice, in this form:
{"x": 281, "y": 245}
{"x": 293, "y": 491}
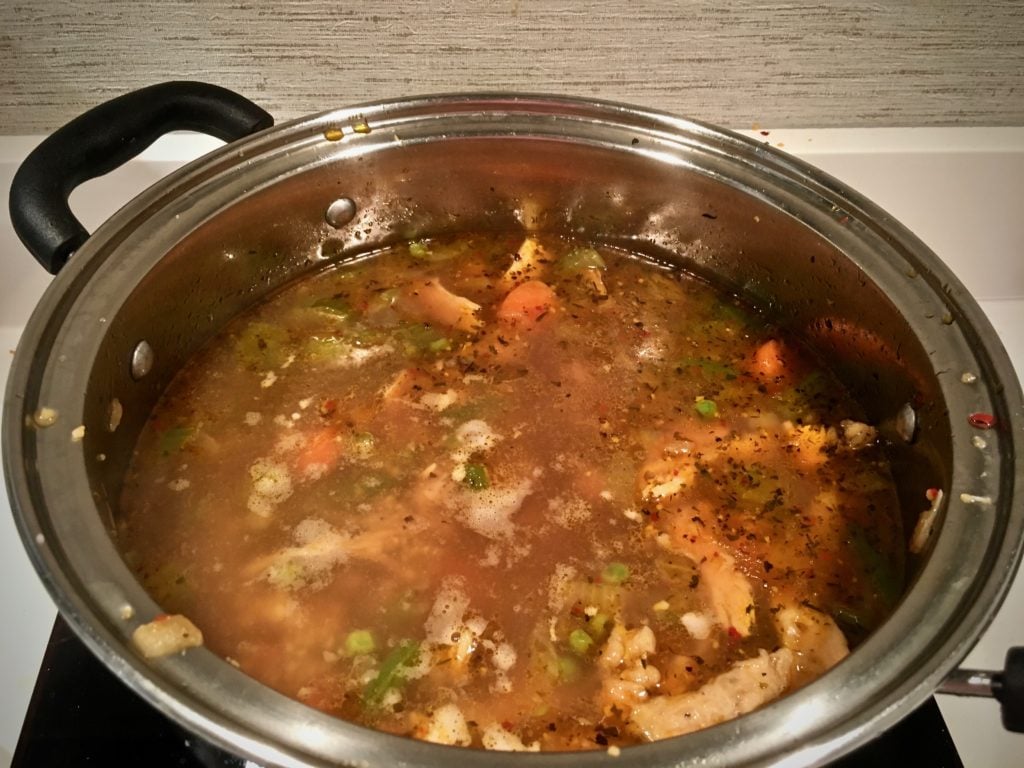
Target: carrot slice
{"x": 323, "y": 449}
{"x": 771, "y": 364}
{"x": 527, "y": 303}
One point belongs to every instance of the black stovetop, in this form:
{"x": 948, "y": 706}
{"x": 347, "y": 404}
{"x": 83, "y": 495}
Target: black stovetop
{"x": 82, "y": 715}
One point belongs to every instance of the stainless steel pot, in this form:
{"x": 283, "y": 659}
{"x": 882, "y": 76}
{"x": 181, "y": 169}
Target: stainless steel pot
{"x": 151, "y": 285}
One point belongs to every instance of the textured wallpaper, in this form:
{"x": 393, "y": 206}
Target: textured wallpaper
{"x": 732, "y": 63}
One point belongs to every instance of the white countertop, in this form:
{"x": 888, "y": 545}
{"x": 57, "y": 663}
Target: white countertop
{"x": 959, "y": 190}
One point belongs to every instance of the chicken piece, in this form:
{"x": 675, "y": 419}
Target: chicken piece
{"x": 593, "y": 279}
{"x": 496, "y": 737}
{"x": 407, "y": 385}
{"x": 527, "y": 264}
{"x": 166, "y": 635}
{"x": 749, "y": 684}
{"x": 430, "y": 302}
{"x": 857, "y": 435}
{"x": 814, "y": 638}
{"x": 726, "y": 589}
{"x": 446, "y": 725}
{"x": 627, "y": 677}
{"x": 926, "y": 521}
{"x": 318, "y": 548}
{"x": 809, "y": 444}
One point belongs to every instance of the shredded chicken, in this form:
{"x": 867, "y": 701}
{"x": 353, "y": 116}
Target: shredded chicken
{"x": 527, "y": 263}
{"x": 446, "y": 725}
{"x": 727, "y": 590}
{"x": 166, "y": 635}
{"x": 749, "y": 684}
{"x": 627, "y": 677}
{"x": 496, "y": 737}
{"x": 816, "y": 641}
{"x": 857, "y": 435}
{"x": 430, "y": 302}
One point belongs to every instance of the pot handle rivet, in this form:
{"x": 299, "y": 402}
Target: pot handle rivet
{"x": 142, "y": 360}
{"x": 906, "y": 423}
{"x": 341, "y": 212}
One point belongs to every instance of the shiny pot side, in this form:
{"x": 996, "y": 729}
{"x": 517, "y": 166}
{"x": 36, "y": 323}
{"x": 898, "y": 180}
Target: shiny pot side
{"x": 182, "y": 259}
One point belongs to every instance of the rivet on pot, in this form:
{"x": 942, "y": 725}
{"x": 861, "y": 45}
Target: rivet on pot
{"x": 906, "y": 423}
{"x": 340, "y": 212}
{"x": 142, "y": 360}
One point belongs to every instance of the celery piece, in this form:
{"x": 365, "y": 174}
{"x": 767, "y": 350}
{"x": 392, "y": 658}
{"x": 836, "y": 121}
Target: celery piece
{"x": 421, "y": 339}
{"x": 579, "y": 259}
{"x": 390, "y": 674}
{"x": 568, "y": 669}
{"x": 287, "y": 574}
{"x": 359, "y": 642}
{"x": 174, "y": 439}
{"x": 262, "y": 345}
{"x": 598, "y": 624}
{"x": 709, "y": 368}
{"x": 334, "y": 305}
{"x": 438, "y": 251}
{"x": 615, "y": 573}
{"x": 580, "y": 642}
{"x": 363, "y": 444}
{"x": 382, "y": 301}
{"x": 418, "y": 249}
{"x": 324, "y": 348}
{"x": 706, "y": 408}
{"x": 477, "y": 477}
{"x": 885, "y": 578}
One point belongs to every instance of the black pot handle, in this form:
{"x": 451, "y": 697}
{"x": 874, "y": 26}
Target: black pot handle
{"x": 1006, "y": 686}
{"x": 105, "y": 137}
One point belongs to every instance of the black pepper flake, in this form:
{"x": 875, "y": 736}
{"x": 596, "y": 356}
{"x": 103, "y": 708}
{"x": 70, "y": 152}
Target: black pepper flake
{"x": 694, "y": 581}
{"x": 601, "y": 739}
{"x": 768, "y": 567}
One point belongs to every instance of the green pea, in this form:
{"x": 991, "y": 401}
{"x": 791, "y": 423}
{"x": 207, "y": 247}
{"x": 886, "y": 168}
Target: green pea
{"x": 359, "y": 642}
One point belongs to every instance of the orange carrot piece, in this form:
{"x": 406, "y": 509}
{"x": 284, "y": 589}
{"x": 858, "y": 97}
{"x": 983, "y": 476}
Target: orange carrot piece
{"x": 322, "y": 449}
{"x": 527, "y": 303}
{"x": 771, "y": 364}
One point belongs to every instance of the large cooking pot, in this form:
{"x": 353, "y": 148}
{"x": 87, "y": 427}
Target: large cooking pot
{"x": 152, "y": 284}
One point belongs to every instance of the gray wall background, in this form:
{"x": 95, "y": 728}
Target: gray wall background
{"x": 733, "y": 63}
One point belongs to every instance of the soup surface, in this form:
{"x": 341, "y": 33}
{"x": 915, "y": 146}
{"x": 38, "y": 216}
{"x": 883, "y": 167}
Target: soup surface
{"x": 515, "y": 495}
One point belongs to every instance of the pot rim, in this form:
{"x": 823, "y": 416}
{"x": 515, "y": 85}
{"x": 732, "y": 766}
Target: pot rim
{"x": 795, "y": 724}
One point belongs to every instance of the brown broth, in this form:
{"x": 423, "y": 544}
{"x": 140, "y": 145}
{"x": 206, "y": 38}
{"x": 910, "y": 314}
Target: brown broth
{"x": 309, "y": 492}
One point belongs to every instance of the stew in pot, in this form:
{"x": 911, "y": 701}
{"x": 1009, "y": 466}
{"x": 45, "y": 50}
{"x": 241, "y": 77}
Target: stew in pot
{"x": 515, "y": 494}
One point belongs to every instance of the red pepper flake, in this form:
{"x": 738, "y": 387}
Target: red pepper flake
{"x": 734, "y": 634}
{"x": 507, "y": 725}
{"x": 161, "y": 617}
{"x": 765, "y": 133}
{"x": 981, "y": 420}
{"x": 932, "y": 494}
